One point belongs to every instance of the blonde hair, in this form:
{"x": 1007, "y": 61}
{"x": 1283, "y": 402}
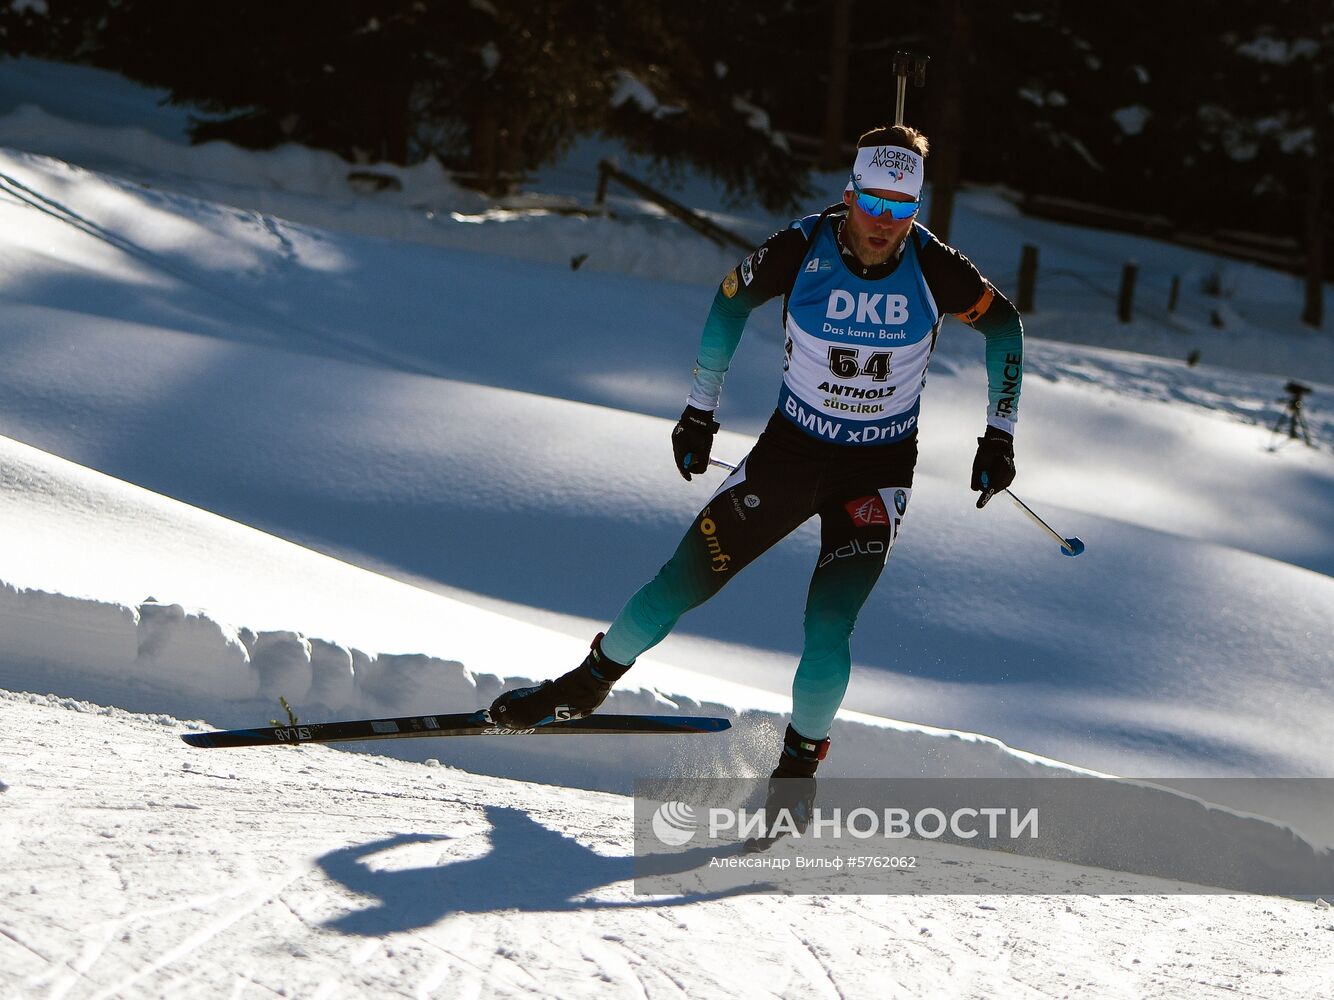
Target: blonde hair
{"x": 896, "y": 135}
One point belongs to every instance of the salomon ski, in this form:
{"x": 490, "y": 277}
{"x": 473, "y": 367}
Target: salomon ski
{"x": 460, "y": 724}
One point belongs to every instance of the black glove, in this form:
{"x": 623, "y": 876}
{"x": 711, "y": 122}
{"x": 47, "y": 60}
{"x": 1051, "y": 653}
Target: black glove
{"x": 993, "y": 465}
{"x": 692, "y": 440}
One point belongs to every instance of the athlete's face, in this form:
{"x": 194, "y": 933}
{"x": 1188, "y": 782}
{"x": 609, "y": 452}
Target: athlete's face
{"x": 875, "y": 238}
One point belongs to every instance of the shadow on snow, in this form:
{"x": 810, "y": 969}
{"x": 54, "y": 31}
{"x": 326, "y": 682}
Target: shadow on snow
{"x": 529, "y": 868}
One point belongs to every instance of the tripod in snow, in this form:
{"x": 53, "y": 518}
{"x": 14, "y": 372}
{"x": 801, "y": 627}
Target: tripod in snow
{"x": 1292, "y": 413}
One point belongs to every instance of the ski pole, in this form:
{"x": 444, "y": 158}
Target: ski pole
{"x": 1069, "y": 546}
{"x": 905, "y": 64}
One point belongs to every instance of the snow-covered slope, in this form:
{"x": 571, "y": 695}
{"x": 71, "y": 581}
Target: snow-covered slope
{"x": 244, "y": 457}
{"x": 1228, "y": 313}
{"x": 500, "y": 429}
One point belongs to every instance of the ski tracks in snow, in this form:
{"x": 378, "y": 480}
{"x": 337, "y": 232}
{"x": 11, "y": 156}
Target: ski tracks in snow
{"x": 139, "y": 867}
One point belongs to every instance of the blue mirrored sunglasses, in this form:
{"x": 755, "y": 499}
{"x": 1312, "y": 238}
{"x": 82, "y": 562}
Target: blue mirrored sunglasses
{"x": 876, "y": 206}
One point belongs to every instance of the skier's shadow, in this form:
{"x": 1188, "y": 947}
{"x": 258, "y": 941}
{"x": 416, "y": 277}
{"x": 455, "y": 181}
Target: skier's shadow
{"x": 528, "y": 868}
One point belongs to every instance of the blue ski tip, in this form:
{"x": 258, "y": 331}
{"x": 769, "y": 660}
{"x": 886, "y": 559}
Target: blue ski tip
{"x": 198, "y": 739}
{"x": 1072, "y": 547}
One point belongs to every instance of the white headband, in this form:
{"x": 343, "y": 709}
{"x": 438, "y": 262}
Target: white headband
{"x": 888, "y": 168}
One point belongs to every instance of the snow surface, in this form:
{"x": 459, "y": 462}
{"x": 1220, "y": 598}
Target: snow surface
{"x": 315, "y": 873}
{"x": 262, "y": 435}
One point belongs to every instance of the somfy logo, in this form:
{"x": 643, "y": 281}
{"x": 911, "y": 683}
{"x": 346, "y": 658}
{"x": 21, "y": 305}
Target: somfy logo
{"x": 674, "y": 824}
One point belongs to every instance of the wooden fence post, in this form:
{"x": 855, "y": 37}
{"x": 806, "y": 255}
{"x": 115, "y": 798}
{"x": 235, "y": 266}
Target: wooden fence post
{"x": 1125, "y": 299}
{"x": 1028, "y": 277}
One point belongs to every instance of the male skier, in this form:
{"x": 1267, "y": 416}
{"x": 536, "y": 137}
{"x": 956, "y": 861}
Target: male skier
{"x": 866, "y": 287}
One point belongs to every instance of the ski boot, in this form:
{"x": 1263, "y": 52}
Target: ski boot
{"x": 570, "y": 696}
{"x": 791, "y": 787}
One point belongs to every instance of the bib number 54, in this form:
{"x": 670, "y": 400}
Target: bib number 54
{"x": 845, "y": 363}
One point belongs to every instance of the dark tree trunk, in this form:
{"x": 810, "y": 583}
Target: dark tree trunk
{"x": 1314, "y": 309}
{"x": 485, "y": 139}
{"x": 831, "y": 154}
{"x": 395, "y": 120}
{"x": 946, "y": 143}
{"x": 510, "y": 155}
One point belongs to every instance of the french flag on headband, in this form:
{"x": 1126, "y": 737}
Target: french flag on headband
{"x": 888, "y": 168}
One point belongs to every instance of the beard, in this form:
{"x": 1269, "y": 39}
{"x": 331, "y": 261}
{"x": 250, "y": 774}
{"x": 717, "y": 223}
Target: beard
{"x": 872, "y": 248}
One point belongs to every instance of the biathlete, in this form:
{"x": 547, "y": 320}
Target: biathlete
{"x": 865, "y": 289}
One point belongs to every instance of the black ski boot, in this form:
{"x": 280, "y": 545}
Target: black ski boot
{"x": 791, "y": 788}
{"x": 570, "y": 696}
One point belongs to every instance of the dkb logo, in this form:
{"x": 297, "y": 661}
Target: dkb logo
{"x": 878, "y": 308}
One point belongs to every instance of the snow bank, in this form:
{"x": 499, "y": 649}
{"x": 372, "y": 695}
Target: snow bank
{"x": 186, "y": 656}
{"x": 164, "y": 656}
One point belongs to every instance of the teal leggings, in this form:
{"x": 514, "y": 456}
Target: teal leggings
{"x": 860, "y": 496}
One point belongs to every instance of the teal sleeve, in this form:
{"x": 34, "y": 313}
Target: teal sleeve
{"x": 722, "y": 335}
{"x": 1004, "y": 331}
